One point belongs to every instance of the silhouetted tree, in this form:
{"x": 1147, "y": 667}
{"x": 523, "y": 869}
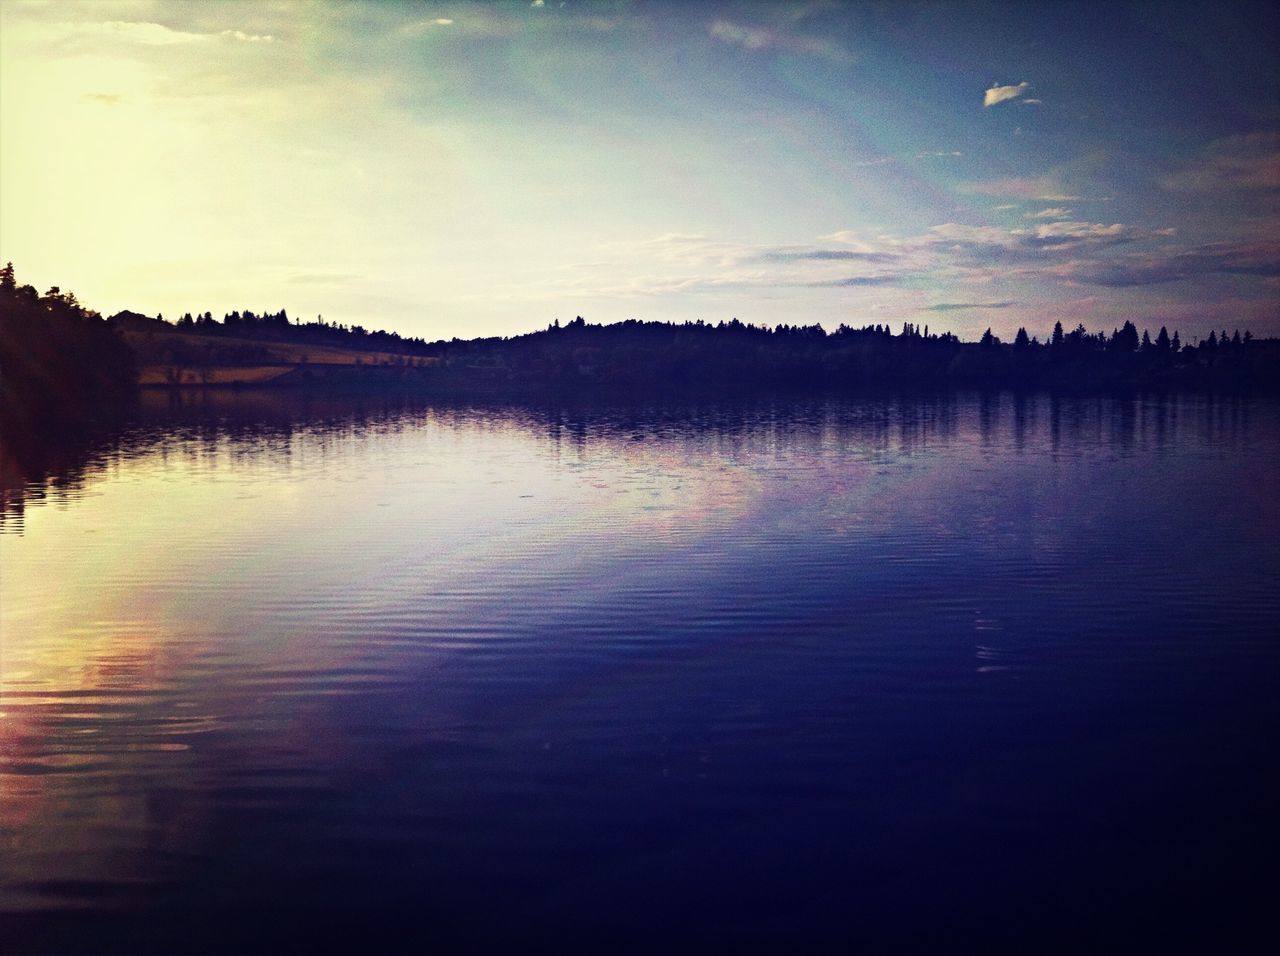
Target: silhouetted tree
{"x": 60, "y": 363}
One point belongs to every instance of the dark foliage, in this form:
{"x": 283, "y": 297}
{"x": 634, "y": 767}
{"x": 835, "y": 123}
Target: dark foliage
{"x": 736, "y": 356}
{"x": 61, "y": 365}
{"x": 278, "y": 327}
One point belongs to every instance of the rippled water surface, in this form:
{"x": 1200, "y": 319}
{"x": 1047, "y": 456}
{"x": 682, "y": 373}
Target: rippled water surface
{"x": 902, "y": 672}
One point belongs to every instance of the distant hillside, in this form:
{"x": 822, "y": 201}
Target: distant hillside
{"x": 64, "y": 358}
{"x": 168, "y": 356}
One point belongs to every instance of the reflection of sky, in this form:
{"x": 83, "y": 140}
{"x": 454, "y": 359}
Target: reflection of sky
{"x": 458, "y": 169}
{"x": 233, "y": 621}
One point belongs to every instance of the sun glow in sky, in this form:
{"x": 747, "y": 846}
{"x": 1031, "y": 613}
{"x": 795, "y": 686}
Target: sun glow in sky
{"x": 465, "y": 169}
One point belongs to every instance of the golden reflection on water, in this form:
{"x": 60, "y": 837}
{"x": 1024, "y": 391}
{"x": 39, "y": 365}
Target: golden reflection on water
{"x": 133, "y": 602}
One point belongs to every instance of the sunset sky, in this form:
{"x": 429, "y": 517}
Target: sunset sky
{"x": 463, "y": 169}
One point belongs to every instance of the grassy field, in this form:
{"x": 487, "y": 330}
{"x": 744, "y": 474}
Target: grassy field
{"x": 168, "y": 358}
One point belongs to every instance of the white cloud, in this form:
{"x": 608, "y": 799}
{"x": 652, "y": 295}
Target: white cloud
{"x": 538, "y": 3}
{"x": 1053, "y": 212}
{"x": 998, "y": 94}
{"x": 1070, "y": 231}
{"x": 248, "y": 37}
{"x": 422, "y": 26}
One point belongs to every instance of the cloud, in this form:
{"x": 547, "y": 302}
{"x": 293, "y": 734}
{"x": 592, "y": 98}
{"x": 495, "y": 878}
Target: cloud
{"x": 1037, "y": 188}
{"x": 538, "y": 4}
{"x": 825, "y": 255}
{"x": 999, "y": 94}
{"x": 1031, "y": 102}
{"x": 106, "y": 99}
{"x": 247, "y": 37}
{"x": 847, "y": 237}
{"x": 853, "y": 282}
{"x": 143, "y": 33}
{"x": 764, "y": 38}
{"x": 1063, "y": 233}
{"x": 422, "y": 26}
{"x": 1171, "y": 264}
{"x": 955, "y": 306}
{"x": 1053, "y": 212}
{"x": 1237, "y": 163}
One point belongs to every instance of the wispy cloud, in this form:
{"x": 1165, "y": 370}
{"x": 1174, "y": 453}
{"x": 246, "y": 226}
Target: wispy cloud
{"x": 825, "y": 255}
{"x": 248, "y": 37}
{"x": 422, "y": 26}
{"x": 758, "y": 38}
{"x": 1002, "y": 94}
{"x": 1038, "y": 188}
{"x": 851, "y": 282}
{"x": 143, "y": 33}
{"x": 956, "y": 306}
{"x": 1237, "y": 163}
{"x": 1053, "y": 212}
{"x": 1174, "y": 264}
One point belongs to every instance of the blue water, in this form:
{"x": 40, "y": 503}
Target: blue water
{"x": 941, "y": 674}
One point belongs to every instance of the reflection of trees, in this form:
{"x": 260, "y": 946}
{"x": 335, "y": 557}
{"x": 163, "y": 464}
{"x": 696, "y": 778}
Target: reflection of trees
{"x": 265, "y": 422}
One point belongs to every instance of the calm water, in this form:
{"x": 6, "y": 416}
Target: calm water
{"x": 948, "y": 672}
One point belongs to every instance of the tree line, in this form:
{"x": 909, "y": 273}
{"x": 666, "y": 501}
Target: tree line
{"x": 60, "y": 361}
{"x": 61, "y": 364}
{"x": 737, "y": 355}
{"x": 279, "y": 327}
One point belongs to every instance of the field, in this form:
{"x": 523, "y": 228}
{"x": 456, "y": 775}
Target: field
{"x": 170, "y": 358}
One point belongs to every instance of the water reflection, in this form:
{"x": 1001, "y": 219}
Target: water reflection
{"x": 733, "y": 667}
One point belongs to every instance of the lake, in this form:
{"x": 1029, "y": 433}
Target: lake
{"x": 891, "y": 672}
